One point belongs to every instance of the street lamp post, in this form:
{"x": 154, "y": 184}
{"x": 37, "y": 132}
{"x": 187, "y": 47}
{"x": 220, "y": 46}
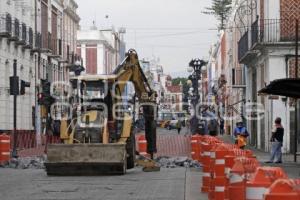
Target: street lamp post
{"x": 196, "y": 65}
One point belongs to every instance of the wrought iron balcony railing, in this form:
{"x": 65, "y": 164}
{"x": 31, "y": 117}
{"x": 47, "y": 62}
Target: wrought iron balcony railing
{"x": 266, "y": 32}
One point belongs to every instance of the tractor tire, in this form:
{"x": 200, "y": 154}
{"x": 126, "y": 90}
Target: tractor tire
{"x": 130, "y": 148}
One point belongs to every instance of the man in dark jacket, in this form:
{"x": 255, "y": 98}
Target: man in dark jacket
{"x": 277, "y": 140}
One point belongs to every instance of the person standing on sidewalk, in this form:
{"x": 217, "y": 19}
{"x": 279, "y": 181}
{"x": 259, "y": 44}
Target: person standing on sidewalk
{"x": 221, "y": 126}
{"x": 277, "y": 140}
{"x": 178, "y": 126}
{"x": 187, "y": 126}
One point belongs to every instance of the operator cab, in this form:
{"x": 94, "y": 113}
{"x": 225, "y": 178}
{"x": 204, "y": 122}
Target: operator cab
{"x": 94, "y": 104}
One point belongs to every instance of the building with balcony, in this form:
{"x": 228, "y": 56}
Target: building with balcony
{"x": 267, "y": 49}
{"x": 39, "y": 34}
{"x": 225, "y": 78}
{"x": 16, "y": 43}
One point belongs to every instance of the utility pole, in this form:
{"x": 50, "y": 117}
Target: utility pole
{"x": 15, "y": 94}
{"x": 296, "y": 101}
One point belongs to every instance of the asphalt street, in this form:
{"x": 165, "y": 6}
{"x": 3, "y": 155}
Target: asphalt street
{"x": 169, "y": 183}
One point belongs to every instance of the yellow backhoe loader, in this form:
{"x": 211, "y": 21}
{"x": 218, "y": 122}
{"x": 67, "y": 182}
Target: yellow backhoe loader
{"x": 99, "y": 137}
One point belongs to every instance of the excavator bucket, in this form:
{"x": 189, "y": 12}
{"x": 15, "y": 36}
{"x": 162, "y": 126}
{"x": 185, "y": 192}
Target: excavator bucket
{"x": 86, "y": 159}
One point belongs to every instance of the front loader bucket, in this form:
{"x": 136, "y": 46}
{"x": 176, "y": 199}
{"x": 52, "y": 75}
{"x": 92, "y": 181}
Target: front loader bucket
{"x": 86, "y": 159}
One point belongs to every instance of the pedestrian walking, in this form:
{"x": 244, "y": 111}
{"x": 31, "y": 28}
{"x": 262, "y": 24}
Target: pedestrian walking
{"x": 213, "y": 127}
{"x": 187, "y": 126}
{"x": 56, "y": 127}
{"x": 240, "y": 134}
{"x": 276, "y": 140}
{"x": 221, "y": 126}
{"x": 178, "y": 126}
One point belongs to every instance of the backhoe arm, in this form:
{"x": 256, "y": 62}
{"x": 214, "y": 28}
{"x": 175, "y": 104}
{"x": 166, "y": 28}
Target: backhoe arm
{"x": 130, "y": 70}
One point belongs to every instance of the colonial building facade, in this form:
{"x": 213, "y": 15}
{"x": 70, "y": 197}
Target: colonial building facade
{"x": 101, "y": 50}
{"x": 256, "y": 47}
{"x": 41, "y": 36}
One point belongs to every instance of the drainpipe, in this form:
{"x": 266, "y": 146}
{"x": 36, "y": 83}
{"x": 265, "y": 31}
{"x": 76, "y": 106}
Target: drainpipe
{"x": 296, "y": 103}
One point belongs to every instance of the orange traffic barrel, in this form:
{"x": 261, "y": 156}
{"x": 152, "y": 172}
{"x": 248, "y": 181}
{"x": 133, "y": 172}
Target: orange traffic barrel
{"x": 206, "y": 161}
{"x": 221, "y": 151}
{"x": 239, "y": 174}
{"x": 262, "y": 179}
{"x": 4, "y": 148}
{"x": 195, "y": 147}
{"x": 286, "y": 189}
{"x": 142, "y": 145}
{"x": 222, "y": 181}
{"x": 211, "y": 194}
{"x": 220, "y": 187}
{"x": 206, "y": 179}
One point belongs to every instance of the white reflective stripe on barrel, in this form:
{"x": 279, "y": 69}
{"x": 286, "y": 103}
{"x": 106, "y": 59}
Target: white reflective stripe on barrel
{"x": 206, "y": 153}
{"x": 5, "y": 153}
{"x": 193, "y": 141}
{"x": 227, "y": 170}
{"x": 220, "y": 162}
{"x": 255, "y": 193}
{"x": 192, "y": 152}
{"x": 4, "y": 141}
{"x": 213, "y": 154}
{"x": 235, "y": 178}
{"x": 142, "y": 141}
{"x": 219, "y": 189}
{"x": 206, "y": 174}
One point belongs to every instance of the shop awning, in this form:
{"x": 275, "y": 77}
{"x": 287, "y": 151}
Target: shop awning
{"x": 288, "y": 87}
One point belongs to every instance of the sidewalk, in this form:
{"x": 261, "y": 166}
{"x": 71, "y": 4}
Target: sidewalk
{"x": 290, "y": 167}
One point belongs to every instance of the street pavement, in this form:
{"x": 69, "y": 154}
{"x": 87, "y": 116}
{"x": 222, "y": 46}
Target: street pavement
{"x": 168, "y": 184}
{"x": 178, "y": 183}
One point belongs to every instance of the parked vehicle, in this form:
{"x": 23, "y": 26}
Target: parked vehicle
{"x": 164, "y": 117}
{"x": 171, "y": 124}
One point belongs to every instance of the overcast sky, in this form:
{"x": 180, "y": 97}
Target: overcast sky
{"x": 173, "y": 30}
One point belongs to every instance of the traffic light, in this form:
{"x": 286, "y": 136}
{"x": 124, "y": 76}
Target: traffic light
{"x": 14, "y": 85}
{"x": 24, "y": 84}
{"x": 40, "y": 98}
{"x": 45, "y": 98}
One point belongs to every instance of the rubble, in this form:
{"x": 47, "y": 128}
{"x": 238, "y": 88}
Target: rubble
{"x": 26, "y": 163}
{"x": 172, "y": 162}
{"x": 38, "y": 162}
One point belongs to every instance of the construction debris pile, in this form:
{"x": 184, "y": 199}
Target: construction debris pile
{"x": 173, "y": 162}
{"x": 25, "y": 163}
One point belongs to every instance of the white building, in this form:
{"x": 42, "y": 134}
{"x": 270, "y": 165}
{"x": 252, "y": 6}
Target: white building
{"x": 101, "y": 50}
{"x": 39, "y": 34}
{"x": 16, "y": 42}
{"x": 266, "y": 48}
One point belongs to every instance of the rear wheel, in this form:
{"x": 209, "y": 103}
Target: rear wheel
{"x": 130, "y": 148}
